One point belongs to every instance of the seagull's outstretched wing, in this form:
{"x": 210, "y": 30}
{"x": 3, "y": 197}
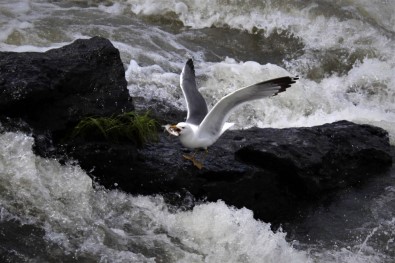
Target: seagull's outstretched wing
{"x": 215, "y": 119}
{"x": 196, "y": 105}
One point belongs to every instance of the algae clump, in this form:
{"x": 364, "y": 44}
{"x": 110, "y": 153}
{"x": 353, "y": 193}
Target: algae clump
{"x": 129, "y": 126}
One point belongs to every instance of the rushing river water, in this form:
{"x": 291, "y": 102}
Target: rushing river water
{"x": 344, "y": 53}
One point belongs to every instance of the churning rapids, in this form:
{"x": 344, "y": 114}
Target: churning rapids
{"x": 344, "y": 52}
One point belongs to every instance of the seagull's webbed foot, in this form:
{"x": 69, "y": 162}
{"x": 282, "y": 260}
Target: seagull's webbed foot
{"x": 195, "y": 162}
{"x": 192, "y": 158}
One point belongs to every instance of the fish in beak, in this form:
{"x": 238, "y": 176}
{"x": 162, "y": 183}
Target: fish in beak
{"x": 172, "y": 129}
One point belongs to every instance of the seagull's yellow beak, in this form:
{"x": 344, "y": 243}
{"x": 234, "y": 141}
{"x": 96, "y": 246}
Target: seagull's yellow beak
{"x": 172, "y": 129}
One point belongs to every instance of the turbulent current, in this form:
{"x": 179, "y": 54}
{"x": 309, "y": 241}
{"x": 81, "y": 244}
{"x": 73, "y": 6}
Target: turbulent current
{"x": 344, "y": 53}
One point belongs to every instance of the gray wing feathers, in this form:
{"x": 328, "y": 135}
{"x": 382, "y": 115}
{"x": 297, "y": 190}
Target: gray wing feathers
{"x": 216, "y": 118}
{"x": 196, "y": 105}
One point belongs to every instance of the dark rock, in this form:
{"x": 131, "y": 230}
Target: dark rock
{"x": 323, "y": 158}
{"x": 54, "y": 90}
{"x": 274, "y": 172}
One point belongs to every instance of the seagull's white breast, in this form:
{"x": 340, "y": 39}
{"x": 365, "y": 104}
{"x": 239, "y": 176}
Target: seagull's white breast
{"x": 191, "y": 138}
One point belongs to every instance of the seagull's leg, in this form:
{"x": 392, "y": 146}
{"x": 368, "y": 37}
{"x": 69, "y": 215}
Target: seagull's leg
{"x": 189, "y": 157}
{"x": 193, "y": 159}
{"x": 202, "y": 159}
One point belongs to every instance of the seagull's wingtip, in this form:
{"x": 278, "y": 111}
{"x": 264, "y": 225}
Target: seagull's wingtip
{"x": 190, "y": 65}
{"x": 285, "y": 83}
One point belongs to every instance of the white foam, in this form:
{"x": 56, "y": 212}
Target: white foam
{"x": 152, "y": 82}
{"x": 366, "y": 94}
{"x": 346, "y": 255}
{"x": 380, "y": 11}
{"x": 115, "y": 9}
{"x": 225, "y": 234}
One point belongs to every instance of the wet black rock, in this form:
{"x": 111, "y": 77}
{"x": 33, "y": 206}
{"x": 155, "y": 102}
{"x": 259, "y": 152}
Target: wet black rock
{"x": 274, "y": 172}
{"x": 55, "y": 89}
{"x": 277, "y": 173}
{"x": 322, "y": 158}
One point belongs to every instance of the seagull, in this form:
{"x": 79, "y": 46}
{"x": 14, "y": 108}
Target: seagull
{"x": 202, "y": 128}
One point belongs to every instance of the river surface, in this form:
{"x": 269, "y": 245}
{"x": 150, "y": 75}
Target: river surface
{"x": 344, "y": 53}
